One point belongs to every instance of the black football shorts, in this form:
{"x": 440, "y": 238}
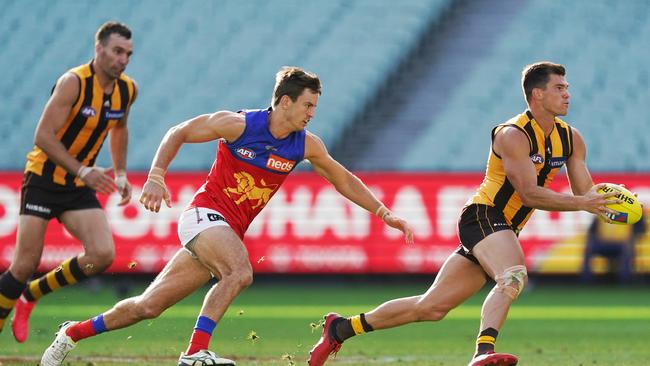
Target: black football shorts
{"x": 476, "y": 222}
{"x": 51, "y": 200}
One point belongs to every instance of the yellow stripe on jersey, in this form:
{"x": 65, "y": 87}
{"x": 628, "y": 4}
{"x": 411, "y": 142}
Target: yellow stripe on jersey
{"x": 548, "y": 153}
{"x": 91, "y": 117}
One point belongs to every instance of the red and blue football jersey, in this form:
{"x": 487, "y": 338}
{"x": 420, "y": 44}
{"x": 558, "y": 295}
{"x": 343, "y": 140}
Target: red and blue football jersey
{"x": 247, "y": 172}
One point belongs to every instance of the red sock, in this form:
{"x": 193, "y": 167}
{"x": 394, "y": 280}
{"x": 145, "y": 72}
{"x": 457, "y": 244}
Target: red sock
{"x": 81, "y": 330}
{"x": 200, "y": 340}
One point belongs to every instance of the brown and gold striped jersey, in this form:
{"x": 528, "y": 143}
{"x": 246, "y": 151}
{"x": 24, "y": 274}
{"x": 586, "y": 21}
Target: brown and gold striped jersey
{"x": 548, "y": 153}
{"x": 91, "y": 117}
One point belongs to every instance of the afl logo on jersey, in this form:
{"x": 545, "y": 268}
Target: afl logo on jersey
{"x": 537, "y": 159}
{"x": 245, "y": 153}
{"x": 88, "y": 111}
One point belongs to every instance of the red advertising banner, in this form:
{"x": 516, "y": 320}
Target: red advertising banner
{"x": 308, "y": 227}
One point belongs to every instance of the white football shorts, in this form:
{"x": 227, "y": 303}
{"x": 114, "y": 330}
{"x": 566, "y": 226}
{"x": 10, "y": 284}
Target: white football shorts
{"x": 196, "y": 220}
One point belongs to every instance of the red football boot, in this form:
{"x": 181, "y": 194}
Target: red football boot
{"x": 20, "y": 322}
{"x": 326, "y": 345}
{"x": 494, "y": 359}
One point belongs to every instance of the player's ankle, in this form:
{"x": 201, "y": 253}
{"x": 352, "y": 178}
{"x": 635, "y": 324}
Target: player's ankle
{"x": 486, "y": 341}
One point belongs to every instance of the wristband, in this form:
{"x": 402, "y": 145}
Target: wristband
{"x": 382, "y": 207}
{"x": 120, "y": 179}
{"x": 155, "y": 171}
{"x": 382, "y": 212}
{"x": 83, "y": 171}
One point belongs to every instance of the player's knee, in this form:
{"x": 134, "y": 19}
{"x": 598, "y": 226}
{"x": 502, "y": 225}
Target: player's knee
{"x": 239, "y": 277}
{"x": 101, "y": 257}
{"x": 243, "y": 278}
{"x": 430, "y": 312}
{"x": 512, "y": 281}
{"x": 147, "y": 309}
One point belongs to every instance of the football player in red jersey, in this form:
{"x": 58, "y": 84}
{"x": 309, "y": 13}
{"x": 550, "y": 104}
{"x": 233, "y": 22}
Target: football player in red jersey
{"x": 257, "y": 150}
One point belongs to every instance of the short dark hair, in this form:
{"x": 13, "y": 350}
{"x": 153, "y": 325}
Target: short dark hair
{"x": 110, "y": 27}
{"x": 537, "y": 75}
{"x": 291, "y": 81}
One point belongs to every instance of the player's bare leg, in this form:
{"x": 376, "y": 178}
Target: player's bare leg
{"x": 29, "y": 247}
{"x": 182, "y": 275}
{"x": 220, "y": 250}
{"x": 27, "y": 255}
{"x": 458, "y": 279}
{"x": 91, "y": 228}
{"x": 501, "y": 256}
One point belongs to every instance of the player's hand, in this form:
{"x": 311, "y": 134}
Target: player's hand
{"x": 153, "y": 193}
{"x": 596, "y": 203}
{"x": 636, "y": 195}
{"x": 97, "y": 178}
{"x": 400, "y": 224}
{"x": 123, "y": 188}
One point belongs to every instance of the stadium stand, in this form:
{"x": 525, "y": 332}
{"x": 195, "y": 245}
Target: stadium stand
{"x": 604, "y": 46}
{"x": 201, "y": 58}
{"x": 195, "y": 57}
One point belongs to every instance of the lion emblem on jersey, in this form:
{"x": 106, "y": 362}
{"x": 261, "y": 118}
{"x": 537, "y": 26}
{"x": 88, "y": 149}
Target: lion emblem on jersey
{"x": 247, "y": 189}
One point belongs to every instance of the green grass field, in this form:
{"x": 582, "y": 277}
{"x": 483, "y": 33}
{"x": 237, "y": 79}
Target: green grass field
{"x": 548, "y": 325}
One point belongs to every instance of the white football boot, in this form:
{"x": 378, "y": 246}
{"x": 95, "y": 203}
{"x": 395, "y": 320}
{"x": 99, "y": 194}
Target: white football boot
{"x": 59, "y": 349}
{"x": 204, "y": 358}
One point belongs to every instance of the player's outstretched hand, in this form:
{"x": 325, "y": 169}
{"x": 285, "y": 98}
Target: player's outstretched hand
{"x": 97, "y": 178}
{"x": 596, "y": 203}
{"x": 400, "y": 224}
{"x": 153, "y": 193}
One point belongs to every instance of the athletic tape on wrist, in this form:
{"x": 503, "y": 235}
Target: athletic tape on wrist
{"x": 157, "y": 171}
{"x": 83, "y": 171}
{"x": 383, "y": 214}
{"x": 157, "y": 179}
{"x": 120, "y": 180}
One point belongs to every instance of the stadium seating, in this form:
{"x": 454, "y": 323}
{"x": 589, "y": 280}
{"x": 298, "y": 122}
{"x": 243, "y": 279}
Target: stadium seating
{"x": 604, "y": 45}
{"x": 195, "y": 57}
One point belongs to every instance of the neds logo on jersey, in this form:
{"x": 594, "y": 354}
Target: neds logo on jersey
{"x": 280, "y": 164}
{"x": 246, "y": 153}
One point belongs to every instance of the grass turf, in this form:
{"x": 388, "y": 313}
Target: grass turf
{"x": 569, "y": 325}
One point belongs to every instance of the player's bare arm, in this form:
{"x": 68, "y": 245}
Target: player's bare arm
{"x": 576, "y": 166}
{"x": 52, "y": 120}
{"x": 119, "y": 141}
{"x": 207, "y": 127}
{"x": 513, "y": 147}
{"x": 349, "y": 185}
